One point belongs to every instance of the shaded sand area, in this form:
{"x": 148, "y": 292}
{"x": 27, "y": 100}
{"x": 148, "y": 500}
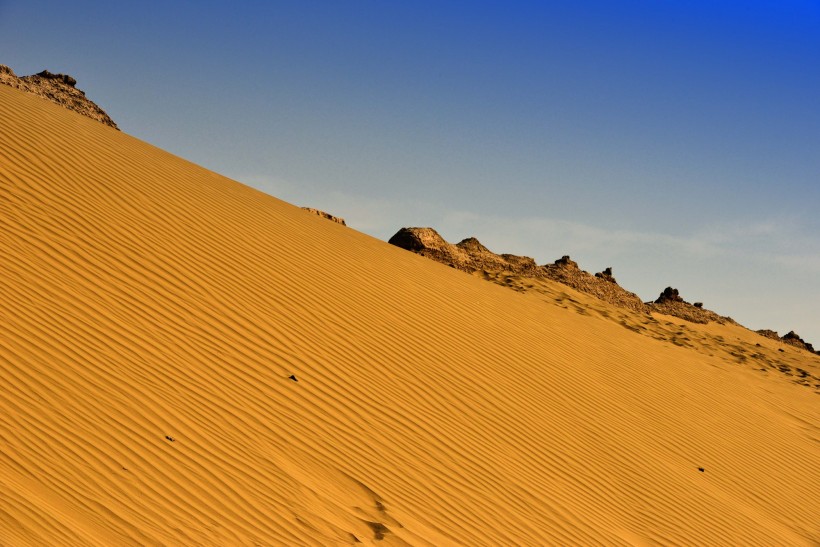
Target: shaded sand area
{"x": 154, "y": 312}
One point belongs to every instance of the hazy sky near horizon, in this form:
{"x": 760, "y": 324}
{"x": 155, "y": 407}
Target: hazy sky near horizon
{"x": 678, "y": 142}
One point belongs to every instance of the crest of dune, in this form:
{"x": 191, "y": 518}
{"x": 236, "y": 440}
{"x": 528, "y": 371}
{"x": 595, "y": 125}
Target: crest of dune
{"x": 187, "y": 361}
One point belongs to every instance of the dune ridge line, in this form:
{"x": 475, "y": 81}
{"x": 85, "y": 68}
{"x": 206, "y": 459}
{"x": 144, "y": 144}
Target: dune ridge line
{"x": 146, "y": 298}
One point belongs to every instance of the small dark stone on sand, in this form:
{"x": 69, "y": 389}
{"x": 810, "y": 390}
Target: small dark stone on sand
{"x": 292, "y": 377}
{"x": 701, "y": 469}
{"x": 170, "y": 438}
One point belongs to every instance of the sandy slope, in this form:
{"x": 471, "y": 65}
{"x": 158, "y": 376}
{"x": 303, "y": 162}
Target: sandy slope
{"x": 145, "y": 297}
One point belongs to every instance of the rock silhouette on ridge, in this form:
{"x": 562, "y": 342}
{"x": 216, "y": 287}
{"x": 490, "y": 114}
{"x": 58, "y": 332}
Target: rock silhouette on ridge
{"x": 328, "y": 216}
{"x": 470, "y": 255}
{"x": 57, "y": 88}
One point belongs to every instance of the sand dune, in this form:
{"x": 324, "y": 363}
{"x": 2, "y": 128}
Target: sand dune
{"x": 145, "y": 298}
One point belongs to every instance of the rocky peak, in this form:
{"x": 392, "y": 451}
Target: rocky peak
{"x": 328, "y": 216}
{"x": 472, "y": 245}
{"x": 418, "y": 239}
{"x": 57, "y": 88}
{"x": 669, "y": 295}
{"x": 471, "y": 256}
{"x": 468, "y": 255}
{"x": 63, "y": 78}
{"x": 606, "y": 275}
{"x": 769, "y": 334}
{"x": 566, "y": 262}
{"x": 792, "y": 338}
{"x": 670, "y": 302}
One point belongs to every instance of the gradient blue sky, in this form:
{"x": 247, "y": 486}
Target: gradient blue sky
{"x": 678, "y": 142}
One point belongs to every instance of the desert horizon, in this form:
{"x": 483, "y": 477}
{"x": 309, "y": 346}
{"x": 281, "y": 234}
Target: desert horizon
{"x": 188, "y": 360}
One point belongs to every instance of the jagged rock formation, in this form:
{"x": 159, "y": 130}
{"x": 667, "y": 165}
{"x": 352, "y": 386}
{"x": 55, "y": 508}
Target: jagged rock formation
{"x": 57, "y": 88}
{"x": 606, "y": 275}
{"x": 670, "y": 302}
{"x": 669, "y": 295}
{"x": 601, "y": 285}
{"x": 769, "y": 334}
{"x": 328, "y": 216}
{"x": 791, "y": 338}
{"x": 470, "y": 255}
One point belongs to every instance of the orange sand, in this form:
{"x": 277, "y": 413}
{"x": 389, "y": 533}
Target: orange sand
{"x": 145, "y": 297}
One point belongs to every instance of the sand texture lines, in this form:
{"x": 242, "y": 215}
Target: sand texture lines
{"x": 187, "y": 361}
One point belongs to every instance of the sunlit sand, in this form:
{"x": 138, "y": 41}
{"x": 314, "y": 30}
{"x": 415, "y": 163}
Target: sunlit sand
{"x": 153, "y": 313}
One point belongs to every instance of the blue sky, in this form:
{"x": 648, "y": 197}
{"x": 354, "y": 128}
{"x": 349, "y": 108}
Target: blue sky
{"x": 678, "y": 142}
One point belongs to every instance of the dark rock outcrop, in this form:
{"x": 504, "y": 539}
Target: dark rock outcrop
{"x": 470, "y": 255}
{"x": 523, "y": 264}
{"x": 670, "y": 302}
{"x": 57, "y": 88}
{"x": 566, "y": 262}
{"x": 328, "y": 216}
{"x": 769, "y": 334}
{"x": 64, "y": 78}
{"x": 669, "y": 295}
{"x": 417, "y": 239}
{"x": 472, "y": 245}
{"x": 791, "y": 338}
{"x": 606, "y": 275}
{"x": 601, "y": 285}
